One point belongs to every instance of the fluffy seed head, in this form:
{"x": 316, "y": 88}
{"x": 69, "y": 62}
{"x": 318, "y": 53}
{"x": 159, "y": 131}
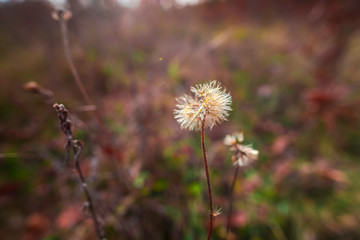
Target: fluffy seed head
{"x": 231, "y": 140}
{"x": 244, "y": 155}
{"x": 209, "y": 106}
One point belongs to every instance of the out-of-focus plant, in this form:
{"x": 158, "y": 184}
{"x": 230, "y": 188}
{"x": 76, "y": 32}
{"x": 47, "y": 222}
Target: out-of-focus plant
{"x": 77, "y": 146}
{"x": 62, "y": 16}
{"x": 209, "y": 107}
{"x": 243, "y": 156}
{"x": 36, "y": 88}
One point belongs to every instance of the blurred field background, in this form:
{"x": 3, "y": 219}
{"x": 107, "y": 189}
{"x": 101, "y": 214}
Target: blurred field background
{"x": 292, "y": 67}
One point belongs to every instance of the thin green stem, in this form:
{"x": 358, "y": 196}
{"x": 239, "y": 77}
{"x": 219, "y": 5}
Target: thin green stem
{"x": 211, "y": 220}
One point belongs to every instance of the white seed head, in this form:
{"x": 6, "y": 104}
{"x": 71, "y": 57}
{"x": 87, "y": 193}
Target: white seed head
{"x": 210, "y": 106}
{"x": 233, "y": 139}
{"x": 247, "y": 156}
{"x": 244, "y": 155}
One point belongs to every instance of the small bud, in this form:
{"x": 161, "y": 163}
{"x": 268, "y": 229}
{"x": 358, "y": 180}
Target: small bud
{"x": 217, "y": 212}
{"x": 61, "y": 14}
{"x": 67, "y": 124}
{"x": 56, "y": 106}
{"x": 31, "y": 86}
{"x": 34, "y": 87}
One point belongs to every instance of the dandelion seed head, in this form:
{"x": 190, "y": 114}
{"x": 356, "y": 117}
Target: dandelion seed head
{"x": 210, "y": 106}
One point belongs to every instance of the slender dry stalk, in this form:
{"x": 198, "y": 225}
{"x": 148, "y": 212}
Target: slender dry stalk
{"x": 231, "y": 199}
{"x": 77, "y": 147}
{"x": 243, "y": 156}
{"x": 62, "y": 16}
{"x": 211, "y": 219}
{"x": 210, "y": 106}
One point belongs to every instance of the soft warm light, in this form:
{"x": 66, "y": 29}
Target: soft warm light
{"x": 129, "y": 3}
{"x": 187, "y": 2}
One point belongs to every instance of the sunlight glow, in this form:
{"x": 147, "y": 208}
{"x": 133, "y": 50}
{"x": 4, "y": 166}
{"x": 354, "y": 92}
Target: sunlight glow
{"x": 187, "y": 2}
{"x": 129, "y": 3}
{"x": 58, "y": 3}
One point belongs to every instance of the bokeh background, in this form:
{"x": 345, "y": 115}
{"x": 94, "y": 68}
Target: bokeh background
{"x": 291, "y": 66}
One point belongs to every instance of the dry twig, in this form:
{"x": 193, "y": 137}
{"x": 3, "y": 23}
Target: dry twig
{"x": 77, "y": 147}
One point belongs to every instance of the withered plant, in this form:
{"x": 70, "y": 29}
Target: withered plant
{"x": 77, "y": 146}
{"x": 209, "y": 107}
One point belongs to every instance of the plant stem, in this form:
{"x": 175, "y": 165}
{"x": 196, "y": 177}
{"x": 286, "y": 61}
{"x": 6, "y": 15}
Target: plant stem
{"x": 77, "y": 146}
{"x": 69, "y": 59}
{"x": 78, "y": 149}
{"x": 211, "y": 220}
{"x": 231, "y": 199}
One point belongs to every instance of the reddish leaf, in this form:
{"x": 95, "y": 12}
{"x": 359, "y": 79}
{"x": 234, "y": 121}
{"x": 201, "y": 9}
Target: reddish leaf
{"x": 69, "y": 217}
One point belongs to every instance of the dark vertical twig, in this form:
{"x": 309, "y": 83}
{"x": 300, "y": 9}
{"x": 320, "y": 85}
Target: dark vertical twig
{"x": 211, "y": 220}
{"x": 77, "y": 146}
{"x": 231, "y": 199}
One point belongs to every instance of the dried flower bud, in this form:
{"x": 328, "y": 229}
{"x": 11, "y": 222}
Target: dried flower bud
{"x": 34, "y": 87}
{"x": 61, "y": 14}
